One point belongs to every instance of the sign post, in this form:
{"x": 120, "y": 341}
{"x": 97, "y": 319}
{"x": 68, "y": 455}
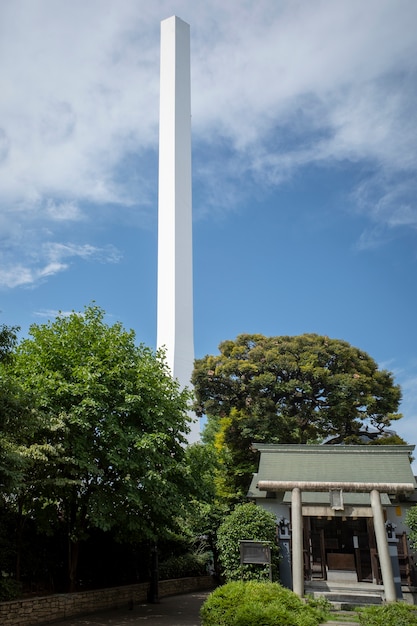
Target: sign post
{"x": 256, "y": 552}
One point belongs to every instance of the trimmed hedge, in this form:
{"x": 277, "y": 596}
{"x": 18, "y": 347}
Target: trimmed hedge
{"x": 254, "y": 603}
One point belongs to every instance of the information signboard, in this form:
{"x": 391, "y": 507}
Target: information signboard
{"x": 258, "y": 552}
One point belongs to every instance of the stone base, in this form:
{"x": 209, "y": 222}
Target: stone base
{"x": 342, "y": 575}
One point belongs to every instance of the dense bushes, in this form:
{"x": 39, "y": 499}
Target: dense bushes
{"x": 10, "y": 589}
{"x": 246, "y": 522}
{"x": 184, "y": 565}
{"x": 411, "y": 522}
{"x": 253, "y": 603}
{"x": 395, "y": 614}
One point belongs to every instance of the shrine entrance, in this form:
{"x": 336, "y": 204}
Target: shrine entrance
{"x": 338, "y": 500}
{"x": 340, "y": 548}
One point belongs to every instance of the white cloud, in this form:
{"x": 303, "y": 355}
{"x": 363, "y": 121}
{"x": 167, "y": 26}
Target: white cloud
{"x": 406, "y": 427}
{"x": 16, "y": 276}
{"x": 63, "y": 211}
{"x": 276, "y": 86}
{"x": 389, "y": 200}
{"x": 57, "y": 251}
{"x": 52, "y": 313}
{"x": 50, "y": 259}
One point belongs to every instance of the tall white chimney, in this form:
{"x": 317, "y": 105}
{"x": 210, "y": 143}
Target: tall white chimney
{"x": 175, "y": 325}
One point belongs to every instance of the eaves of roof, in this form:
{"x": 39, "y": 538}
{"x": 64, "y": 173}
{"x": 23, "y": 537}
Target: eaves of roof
{"x": 341, "y": 464}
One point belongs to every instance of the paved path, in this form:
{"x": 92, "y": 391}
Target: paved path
{"x": 182, "y": 610}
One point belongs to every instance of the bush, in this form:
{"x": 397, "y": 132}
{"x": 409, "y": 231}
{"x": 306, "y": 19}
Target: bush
{"x": 411, "y": 522}
{"x": 255, "y": 603}
{"x": 246, "y": 522}
{"x": 395, "y": 614}
{"x": 10, "y": 589}
{"x": 184, "y": 565}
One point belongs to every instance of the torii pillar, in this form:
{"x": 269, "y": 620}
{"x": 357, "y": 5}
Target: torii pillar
{"x": 175, "y": 327}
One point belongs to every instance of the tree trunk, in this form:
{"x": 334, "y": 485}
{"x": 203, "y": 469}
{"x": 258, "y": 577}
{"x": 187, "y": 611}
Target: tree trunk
{"x": 19, "y": 539}
{"x": 73, "y": 553}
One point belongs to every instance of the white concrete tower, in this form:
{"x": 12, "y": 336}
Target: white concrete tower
{"x": 175, "y": 326}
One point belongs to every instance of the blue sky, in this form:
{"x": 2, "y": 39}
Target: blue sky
{"x": 304, "y": 169}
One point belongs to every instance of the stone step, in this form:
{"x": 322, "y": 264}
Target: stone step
{"x": 344, "y": 621}
{"x": 342, "y": 601}
{"x": 336, "y": 622}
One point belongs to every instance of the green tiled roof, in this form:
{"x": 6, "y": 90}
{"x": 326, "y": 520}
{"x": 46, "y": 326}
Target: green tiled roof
{"x": 323, "y": 463}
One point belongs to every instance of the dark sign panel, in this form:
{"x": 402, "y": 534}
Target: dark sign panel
{"x": 255, "y": 552}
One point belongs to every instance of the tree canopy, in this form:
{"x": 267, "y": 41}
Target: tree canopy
{"x": 8, "y": 456}
{"x": 17, "y": 418}
{"x": 289, "y": 390}
{"x": 113, "y": 430}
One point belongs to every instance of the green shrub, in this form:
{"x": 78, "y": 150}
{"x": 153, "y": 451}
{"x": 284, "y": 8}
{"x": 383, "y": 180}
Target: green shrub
{"x": 254, "y": 603}
{"x": 411, "y": 522}
{"x": 10, "y": 589}
{"x": 190, "y": 564}
{"x": 246, "y": 522}
{"x": 395, "y": 614}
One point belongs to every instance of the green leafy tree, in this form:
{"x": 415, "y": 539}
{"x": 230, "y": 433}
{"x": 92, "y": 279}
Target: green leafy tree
{"x": 24, "y": 448}
{"x": 8, "y": 339}
{"x": 201, "y": 462}
{"x": 21, "y": 427}
{"x": 411, "y": 522}
{"x": 117, "y": 423}
{"x": 288, "y": 390}
{"x": 246, "y": 522}
{"x": 9, "y": 461}
{"x": 206, "y": 512}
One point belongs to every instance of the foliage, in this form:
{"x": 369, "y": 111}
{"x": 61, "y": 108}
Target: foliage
{"x": 23, "y": 430}
{"x": 10, "y": 589}
{"x": 205, "y": 513}
{"x": 8, "y": 338}
{"x": 394, "y": 614}
{"x": 201, "y": 463}
{"x": 9, "y": 459}
{"x": 235, "y": 457}
{"x": 411, "y": 522}
{"x": 114, "y": 422}
{"x": 288, "y": 390}
{"x": 184, "y": 555}
{"x": 246, "y": 522}
{"x": 190, "y": 564}
{"x": 253, "y": 603}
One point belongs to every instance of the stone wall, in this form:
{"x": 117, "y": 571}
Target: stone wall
{"x": 46, "y": 609}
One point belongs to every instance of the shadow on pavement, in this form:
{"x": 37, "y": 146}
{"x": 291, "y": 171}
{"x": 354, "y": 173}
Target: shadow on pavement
{"x": 182, "y": 610}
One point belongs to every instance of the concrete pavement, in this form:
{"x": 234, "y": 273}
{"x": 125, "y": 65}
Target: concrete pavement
{"x": 181, "y": 610}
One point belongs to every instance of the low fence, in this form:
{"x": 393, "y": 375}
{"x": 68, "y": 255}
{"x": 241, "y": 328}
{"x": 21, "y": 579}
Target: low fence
{"x": 42, "y": 610}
